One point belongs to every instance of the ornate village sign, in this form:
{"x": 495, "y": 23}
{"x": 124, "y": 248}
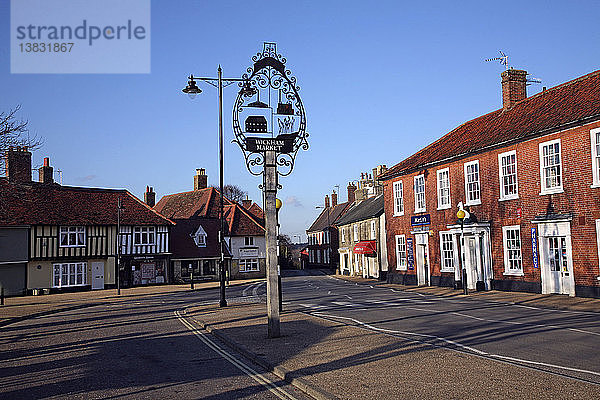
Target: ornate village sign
{"x": 269, "y": 124}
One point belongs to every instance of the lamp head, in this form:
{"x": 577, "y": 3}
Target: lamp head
{"x": 247, "y": 89}
{"x": 278, "y": 204}
{"x": 191, "y": 89}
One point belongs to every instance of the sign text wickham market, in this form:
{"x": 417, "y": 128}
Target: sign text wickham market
{"x": 254, "y": 144}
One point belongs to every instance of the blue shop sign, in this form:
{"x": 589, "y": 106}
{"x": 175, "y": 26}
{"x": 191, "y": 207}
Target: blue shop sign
{"x": 534, "y": 247}
{"x": 410, "y": 258}
{"x": 416, "y": 220}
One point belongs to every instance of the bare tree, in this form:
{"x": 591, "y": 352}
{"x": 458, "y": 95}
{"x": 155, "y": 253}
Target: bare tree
{"x": 233, "y": 193}
{"x": 15, "y": 132}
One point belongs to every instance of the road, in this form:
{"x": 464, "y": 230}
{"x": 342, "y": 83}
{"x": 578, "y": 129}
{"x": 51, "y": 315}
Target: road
{"x": 134, "y": 349}
{"x": 143, "y": 348}
{"x": 562, "y": 343}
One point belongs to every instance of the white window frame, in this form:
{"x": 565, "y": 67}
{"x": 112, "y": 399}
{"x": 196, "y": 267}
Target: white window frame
{"x": 72, "y": 274}
{"x": 468, "y": 200}
{"x": 248, "y": 240}
{"x": 507, "y": 269}
{"x": 398, "y": 198}
{"x": 448, "y": 202}
{"x": 503, "y": 195}
{"x": 75, "y": 232}
{"x": 248, "y": 265}
{"x": 355, "y": 229}
{"x": 554, "y": 189}
{"x": 419, "y": 195}
{"x": 373, "y": 230}
{"x": 401, "y": 261}
{"x": 343, "y": 234}
{"x": 443, "y": 257}
{"x": 595, "y": 157}
{"x": 138, "y": 234}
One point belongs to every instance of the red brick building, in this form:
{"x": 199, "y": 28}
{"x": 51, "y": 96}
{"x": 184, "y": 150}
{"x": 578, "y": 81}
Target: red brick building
{"x": 528, "y": 174}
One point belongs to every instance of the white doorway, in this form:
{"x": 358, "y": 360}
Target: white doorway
{"x": 473, "y": 264}
{"x": 97, "y": 275}
{"x": 556, "y": 257}
{"x": 422, "y": 259}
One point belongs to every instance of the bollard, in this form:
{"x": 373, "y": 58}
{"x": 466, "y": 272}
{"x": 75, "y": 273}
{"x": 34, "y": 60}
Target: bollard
{"x": 464, "y": 283}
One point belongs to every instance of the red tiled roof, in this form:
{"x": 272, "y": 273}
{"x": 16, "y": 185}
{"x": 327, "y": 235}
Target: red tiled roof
{"x": 52, "y": 204}
{"x": 572, "y": 102}
{"x": 199, "y": 203}
{"x": 255, "y": 210}
{"x": 241, "y": 223}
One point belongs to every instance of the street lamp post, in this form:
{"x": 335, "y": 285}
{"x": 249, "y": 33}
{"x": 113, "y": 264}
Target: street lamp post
{"x": 192, "y": 90}
{"x": 118, "y": 268}
{"x": 461, "y": 214}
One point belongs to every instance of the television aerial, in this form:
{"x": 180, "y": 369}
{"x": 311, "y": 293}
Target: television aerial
{"x": 503, "y": 59}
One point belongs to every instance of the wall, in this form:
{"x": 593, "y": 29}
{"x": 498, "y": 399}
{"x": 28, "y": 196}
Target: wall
{"x": 13, "y": 244}
{"x": 578, "y": 199}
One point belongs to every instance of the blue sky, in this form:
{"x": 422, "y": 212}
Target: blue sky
{"x": 379, "y": 80}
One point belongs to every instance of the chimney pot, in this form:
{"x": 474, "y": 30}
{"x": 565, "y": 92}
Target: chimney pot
{"x": 200, "y": 179}
{"x": 326, "y": 201}
{"x": 334, "y": 199}
{"x": 46, "y": 172}
{"x": 351, "y": 189}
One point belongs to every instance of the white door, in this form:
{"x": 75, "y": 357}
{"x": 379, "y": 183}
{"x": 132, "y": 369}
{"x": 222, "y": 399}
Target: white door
{"x": 472, "y": 261}
{"x": 559, "y": 267}
{"x": 97, "y": 275}
{"x": 422, "y": 265}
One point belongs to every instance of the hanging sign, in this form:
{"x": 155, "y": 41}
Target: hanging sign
{"x": 534, "y": 247}
{"x": 410, "y": 257}
{"x": 519, "y": 213}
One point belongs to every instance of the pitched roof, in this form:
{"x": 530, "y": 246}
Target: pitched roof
{"x": 200, "y": 203}
{"x": 205, "y": 203}
{"x": 255, "y": 210}
{"x": 36, "y": 203}
{"x": 366, "y": 209}
{"x": 551, "y": 110}
{"x": 329, "y": 217}
{"x": 241, "y": 223}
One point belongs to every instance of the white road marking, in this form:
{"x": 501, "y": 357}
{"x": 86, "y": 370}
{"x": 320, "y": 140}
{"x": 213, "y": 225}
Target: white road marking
{"x": 457, "y": 344}
{"x": 526, "y": 323}
{"x": 258, "y": 377}
{"x": 348, "y": 296}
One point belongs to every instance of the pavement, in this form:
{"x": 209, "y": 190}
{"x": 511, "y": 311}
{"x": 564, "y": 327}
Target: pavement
{"x": 330, "y": 359}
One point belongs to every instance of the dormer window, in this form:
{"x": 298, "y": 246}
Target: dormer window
{"x": 199, "y": 237}
{"x": 72, "y": 236}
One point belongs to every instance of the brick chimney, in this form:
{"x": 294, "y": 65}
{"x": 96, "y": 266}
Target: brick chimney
{"x": 333, "y": 199}
{"x": 150, "y": 197}
{"x": 351, "y": 189}
{"x": 46, "y": 172}
{"x": 18, "y": 165}
{"x": 327, "y": 201}
{"x": 514, "y": 87}
{"x": 200, "y": 179}
{"x": 246, "y": 203}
